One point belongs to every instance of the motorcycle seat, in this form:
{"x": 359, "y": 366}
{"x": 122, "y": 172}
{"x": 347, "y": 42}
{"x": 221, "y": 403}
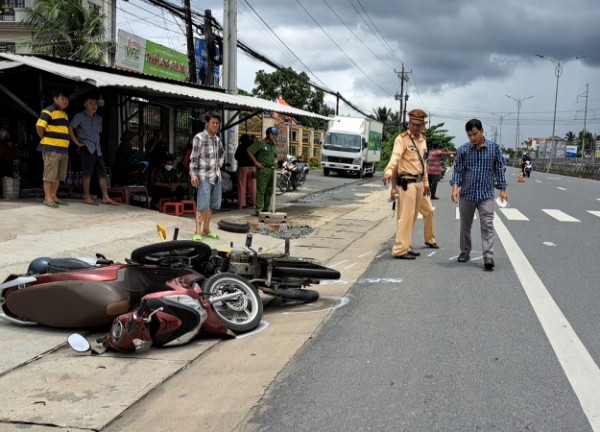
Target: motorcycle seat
{"x": 58, "y": 265}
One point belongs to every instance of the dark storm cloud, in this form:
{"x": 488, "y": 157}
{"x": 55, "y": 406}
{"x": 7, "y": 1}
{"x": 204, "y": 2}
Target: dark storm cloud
{"x": 444, "y": 43}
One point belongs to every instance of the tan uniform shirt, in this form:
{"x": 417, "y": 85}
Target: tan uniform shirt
{"x": 405, "y": 158}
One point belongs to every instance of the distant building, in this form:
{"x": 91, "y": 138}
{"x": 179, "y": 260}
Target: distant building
{"x": 545, "y": 147}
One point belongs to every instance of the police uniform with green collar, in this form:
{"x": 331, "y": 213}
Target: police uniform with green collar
{"x": 408, "y": 161}
{"x": 265, "y": 152}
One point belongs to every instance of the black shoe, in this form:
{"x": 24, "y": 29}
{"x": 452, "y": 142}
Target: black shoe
{"x": 413, "y": 253}
{"x": 434, "y": 198}
{"x": 463, "y": 257}
{"x": 405, "y": 256}
{"x": 432, "y": 245}
{"x": 488, "y": 264}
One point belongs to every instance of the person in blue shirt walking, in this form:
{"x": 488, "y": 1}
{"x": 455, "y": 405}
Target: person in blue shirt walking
{"x": 478, "y": 169}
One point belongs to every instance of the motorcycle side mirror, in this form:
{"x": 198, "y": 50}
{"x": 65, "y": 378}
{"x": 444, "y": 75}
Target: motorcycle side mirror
{"x": 78, "y": 343}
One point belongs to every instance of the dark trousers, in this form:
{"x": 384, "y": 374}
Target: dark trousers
{"x": 433, "y": 183}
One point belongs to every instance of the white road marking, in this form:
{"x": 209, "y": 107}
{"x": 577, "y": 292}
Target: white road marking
{"x": 548, "y": 244}
{"x": 579, "y": 366}
{"x": 263, "y": 326}
{"x": 365, "y": 254}
{"x": 561, "y": 188}
{"x": 594, "y": 212}
{"x": 560, "y": 216}
{"x": 513, "y": 214}
{"x": 538, "y": 181}
{"x": 337, "y": 264}
{"x": 350, "y": 266}
{"x": 343, "y": 302}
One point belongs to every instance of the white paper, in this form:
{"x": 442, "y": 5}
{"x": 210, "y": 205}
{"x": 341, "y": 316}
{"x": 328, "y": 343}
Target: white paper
{"x": 500, "y": 202}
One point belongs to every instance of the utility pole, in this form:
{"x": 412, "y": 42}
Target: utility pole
{"x": 208, "y": 37}
{"x": 518, "y": 131}
{"x": 189, "y": 33}
{"x": 501, "y": 117}
{"x": 402, "y": 98}
{"x": 583, "y": 138}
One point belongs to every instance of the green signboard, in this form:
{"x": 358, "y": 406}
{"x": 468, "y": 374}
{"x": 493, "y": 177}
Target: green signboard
{"x": 165, "y": 63}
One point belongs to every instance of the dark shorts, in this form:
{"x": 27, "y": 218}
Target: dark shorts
{"x": 89, "y": 161}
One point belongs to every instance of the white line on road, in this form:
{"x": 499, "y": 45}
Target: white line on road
{"x": 561, "y": 188}
{"x": 579, "y": 366}
{"x": 594, "y": 212}
{"x": 560, "y": 215}
{"x": 513, "y": 214}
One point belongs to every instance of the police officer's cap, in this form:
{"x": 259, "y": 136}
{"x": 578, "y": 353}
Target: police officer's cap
{"x": 272, "y": 130}
{"x": 417, "y": 115}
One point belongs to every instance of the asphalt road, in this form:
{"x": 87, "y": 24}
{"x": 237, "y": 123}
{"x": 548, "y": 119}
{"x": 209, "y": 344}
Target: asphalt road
{"x": 434, "y": 345}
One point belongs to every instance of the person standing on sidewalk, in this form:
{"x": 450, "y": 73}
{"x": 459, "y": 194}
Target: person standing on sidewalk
{"x": 264, "y": 156}
{"x": 53, "y": 129}
{"x": 246, "y": 172}
{"x": 206, "y": 160}
{"x": 407, "y": 160}
{"x": 478, "y": 168}
{"x": 85, "y": 130}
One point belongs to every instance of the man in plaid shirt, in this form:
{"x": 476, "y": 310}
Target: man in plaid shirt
{"x": 206, "y": 161}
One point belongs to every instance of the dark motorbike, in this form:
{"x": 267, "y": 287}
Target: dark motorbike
{"x": 80, "y": 293}
{"x": 292, "y": 175}
{"x": 276, "y": 274}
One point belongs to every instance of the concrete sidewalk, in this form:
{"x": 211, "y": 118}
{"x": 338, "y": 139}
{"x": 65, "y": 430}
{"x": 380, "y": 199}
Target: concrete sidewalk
{"x": 46, "y": 385}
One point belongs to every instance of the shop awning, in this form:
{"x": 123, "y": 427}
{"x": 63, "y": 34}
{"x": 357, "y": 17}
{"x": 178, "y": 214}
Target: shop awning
{"x": 146, "y": 85}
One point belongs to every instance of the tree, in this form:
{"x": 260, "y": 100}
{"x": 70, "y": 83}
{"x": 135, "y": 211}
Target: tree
{"x": 66, "y": 28}
{"x": 294, "y": 88}
{"x": 389, "y": 120}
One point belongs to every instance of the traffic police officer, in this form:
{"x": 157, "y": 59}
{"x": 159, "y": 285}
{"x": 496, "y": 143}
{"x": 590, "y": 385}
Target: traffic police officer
{"x": 408, "y": 160}
{"x": 264, "y": 154}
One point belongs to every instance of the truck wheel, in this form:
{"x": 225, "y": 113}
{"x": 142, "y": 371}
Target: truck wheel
{"x": 326, "y": 172}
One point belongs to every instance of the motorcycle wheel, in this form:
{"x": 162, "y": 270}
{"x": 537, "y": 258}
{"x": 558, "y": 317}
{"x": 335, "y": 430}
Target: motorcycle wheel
{"x": 282, "y": 182}
{"x": 242, "y": 314}
{"x": 175, "y": 253}
{"x": 301, "y": 294}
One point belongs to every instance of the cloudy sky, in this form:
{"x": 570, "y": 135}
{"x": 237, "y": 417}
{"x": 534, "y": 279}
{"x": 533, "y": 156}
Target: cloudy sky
{"x": 463, "y": 58}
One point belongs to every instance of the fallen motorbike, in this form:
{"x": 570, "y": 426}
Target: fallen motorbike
{"x": 88, "y": 293}
{"x": 175, "y": 317}
{"x": 276, "y": 274}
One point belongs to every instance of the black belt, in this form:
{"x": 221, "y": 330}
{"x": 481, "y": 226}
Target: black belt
{"x": 410, "y": 178}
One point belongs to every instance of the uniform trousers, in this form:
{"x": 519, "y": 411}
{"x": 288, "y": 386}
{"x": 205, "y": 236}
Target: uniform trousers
{"x": 264, "y": 189}
{"x": 427, "y": 212}
{"x": 408, "y": 210}
{"x": 486, "y": 222}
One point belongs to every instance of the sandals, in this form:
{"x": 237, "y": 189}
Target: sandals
{"x": 212, "y": 235}
{"x": 51, "y": 204}
{"x": 197, "y": 237}
{"x": 61, "y": 202}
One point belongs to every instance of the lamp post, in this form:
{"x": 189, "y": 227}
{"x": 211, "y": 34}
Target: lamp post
{"x": 558, "y": 68}
{"x": 501, "y": 117}
{"x": 518, "y": 131}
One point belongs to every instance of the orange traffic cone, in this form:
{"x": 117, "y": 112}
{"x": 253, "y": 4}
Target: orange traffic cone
{"x": 521, "y": 179}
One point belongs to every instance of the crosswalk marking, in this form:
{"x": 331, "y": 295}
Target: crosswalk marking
{"x": 594, "y": 212}
{"x": 559, "y": 215}
{"x": 513, "y": 214}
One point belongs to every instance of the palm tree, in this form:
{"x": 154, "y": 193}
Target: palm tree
{"x": 66, "y": 28}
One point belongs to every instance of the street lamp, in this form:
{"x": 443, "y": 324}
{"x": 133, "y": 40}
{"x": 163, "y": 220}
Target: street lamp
{"x": 501, "y": 117}
{"x": 518, "y": 131}
{"x": 558, "y": 68}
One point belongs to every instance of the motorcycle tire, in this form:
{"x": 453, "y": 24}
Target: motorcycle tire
{"x": 303, "y": 269}
{"x": 171, "y": 251}
{"x": 232, "y": 226}
{"x": 282, "y": 183}
{"x": 241, "y": 315}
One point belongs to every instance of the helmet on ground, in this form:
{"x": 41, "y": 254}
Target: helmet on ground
{"x": 38, "y": 266}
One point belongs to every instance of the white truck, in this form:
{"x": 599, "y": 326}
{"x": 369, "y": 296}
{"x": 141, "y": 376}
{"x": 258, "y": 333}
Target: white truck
{"x": 352, "y": 144}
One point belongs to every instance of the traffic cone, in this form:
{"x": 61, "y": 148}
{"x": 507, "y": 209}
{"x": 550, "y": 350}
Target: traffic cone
{"x": 521, "y": 179}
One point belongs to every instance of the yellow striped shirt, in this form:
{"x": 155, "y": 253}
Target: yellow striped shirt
{"x": 56, "y": 125}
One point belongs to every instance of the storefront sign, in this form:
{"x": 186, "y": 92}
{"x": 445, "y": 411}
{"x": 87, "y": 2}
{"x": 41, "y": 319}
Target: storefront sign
{"x": 141, "y": 55}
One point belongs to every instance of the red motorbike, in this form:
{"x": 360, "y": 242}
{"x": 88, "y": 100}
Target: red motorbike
{"x": 88, "y": 293}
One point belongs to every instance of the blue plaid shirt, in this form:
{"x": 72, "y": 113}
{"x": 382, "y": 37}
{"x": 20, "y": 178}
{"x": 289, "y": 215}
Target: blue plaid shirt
{"x": 478, "y": 171}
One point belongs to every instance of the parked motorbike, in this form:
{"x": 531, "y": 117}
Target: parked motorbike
{"x": 293, "y": 174}
{"x": 81, "y": 293}
{"x": 527, "y": 169}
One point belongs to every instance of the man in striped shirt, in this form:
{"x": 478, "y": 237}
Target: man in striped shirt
{"x": 53, "y": 129}
{"x": 478, "y": 169}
